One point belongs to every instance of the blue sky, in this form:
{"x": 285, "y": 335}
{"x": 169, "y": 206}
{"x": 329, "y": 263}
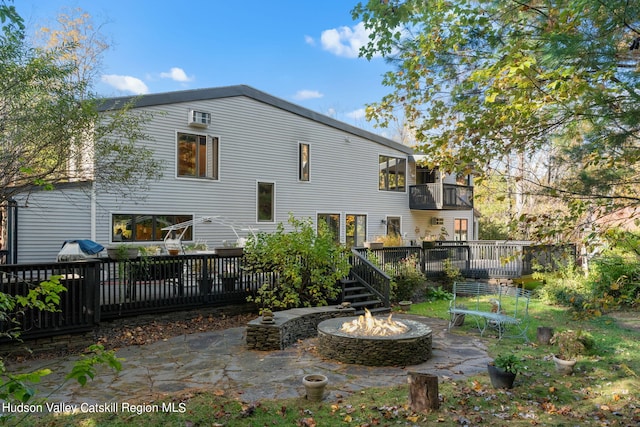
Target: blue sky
{"x": 298, "y": 50}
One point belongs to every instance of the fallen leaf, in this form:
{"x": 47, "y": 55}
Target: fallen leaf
{"x": 307, "y": 422}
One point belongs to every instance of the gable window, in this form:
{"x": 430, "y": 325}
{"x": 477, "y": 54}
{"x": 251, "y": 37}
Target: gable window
{"x": 333, "y": 224}
{"x": 392, "y": 173}
{"x": 266, "y": 201}
{"x": 303, "y": 162}
{"x": 461, "y": 229}
{"x": 197, "y": 156}
{"x": 131, "y": 227}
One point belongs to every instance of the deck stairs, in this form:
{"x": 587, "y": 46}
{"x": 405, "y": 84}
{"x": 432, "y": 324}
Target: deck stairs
{"x": 360, "y": 297}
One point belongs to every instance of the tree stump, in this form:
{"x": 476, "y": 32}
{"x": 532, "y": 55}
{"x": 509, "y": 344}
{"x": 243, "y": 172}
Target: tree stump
{"x": 423, "y": 392}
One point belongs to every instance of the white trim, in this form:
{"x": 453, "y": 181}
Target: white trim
{"x": 216, "y": 158}
{"x": 300, "y": 144}
{"x": 266, "y": 181}
{"x": 152, "y": 213}
{"x": 406, "y": 173}
{"x": 341, "y": 224}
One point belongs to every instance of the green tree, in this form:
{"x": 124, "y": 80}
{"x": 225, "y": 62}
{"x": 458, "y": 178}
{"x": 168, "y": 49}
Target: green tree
{"x": 483, "y": 82}
{"x": 50, "y": 128}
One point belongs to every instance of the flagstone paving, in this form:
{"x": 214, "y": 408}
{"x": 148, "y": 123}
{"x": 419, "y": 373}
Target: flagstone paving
{"x": 219, "y": 360}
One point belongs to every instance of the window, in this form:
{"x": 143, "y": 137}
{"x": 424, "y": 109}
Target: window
{"x": 461, "y": 229}
{"x": 333, "y": 223}
{"x": 303, "y": 162}
{"x": 266, "y": 201}
{"x": 393, "y": 226}
{"x": 426, "y": 175}
{"x": 392, "y": 173}
{"x": 145, "y": 228}
{"x": 197, "y": 156}
{"x": 462, "y": 179}
{"x": 355, "y": 230}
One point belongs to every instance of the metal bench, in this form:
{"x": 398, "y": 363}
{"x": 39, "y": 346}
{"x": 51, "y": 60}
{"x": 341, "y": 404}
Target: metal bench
{"x": 504, "y": 309}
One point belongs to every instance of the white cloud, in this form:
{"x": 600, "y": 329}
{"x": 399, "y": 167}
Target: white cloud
{"x": 126, "y": 83}
{"x": 176, "y": 74}
{"x": 357, "y": 114}
{"x": 309, "y": 40}
{"x": 307, "y": 94}
{"x": 345, "y": 41}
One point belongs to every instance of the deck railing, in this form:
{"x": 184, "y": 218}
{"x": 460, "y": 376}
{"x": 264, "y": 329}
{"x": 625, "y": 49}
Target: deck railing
{"x": 104, "y": 289}
{"x": 370, "y": 276}
{"x": 481, "y": 259}
{"x": 436, "y": 196}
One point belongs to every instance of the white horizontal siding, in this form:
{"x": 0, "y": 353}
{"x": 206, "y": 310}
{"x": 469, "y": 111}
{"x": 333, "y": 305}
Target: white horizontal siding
{"x": 47, "y": 218}
{"x": 257, "y": 142}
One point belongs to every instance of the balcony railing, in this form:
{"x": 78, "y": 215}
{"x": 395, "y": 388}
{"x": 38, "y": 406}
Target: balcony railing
{"x": 440, "y": 197}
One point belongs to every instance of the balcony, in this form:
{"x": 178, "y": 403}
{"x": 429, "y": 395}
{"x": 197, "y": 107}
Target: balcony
{"x": 440, "y": 197}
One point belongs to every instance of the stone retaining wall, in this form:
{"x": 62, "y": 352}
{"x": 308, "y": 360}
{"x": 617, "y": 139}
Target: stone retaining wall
{"x": 289, "y": 326}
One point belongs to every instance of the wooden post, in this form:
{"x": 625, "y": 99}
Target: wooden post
{"x": 423, "y": 392}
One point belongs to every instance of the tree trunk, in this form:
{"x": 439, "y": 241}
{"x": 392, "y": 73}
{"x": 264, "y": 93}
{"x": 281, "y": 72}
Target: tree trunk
{"x": 423, "y": 392}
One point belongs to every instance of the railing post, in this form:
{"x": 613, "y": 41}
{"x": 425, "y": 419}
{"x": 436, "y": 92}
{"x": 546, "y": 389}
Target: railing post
{"x": 92, "y": 289}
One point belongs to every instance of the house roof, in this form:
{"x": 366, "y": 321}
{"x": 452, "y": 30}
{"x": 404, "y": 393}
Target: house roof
{"x": 141, "y": 101}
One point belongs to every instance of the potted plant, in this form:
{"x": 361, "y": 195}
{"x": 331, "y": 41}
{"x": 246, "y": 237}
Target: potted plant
{"x": 503, "y": 370}
{"x": 571, "y": 344}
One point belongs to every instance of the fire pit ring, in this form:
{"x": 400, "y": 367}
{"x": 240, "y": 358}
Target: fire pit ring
{"x": 408, "y": 348}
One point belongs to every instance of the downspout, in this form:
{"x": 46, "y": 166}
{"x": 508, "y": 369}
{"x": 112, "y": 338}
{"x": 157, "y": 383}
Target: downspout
{"x": 12, "y": 231}
{"x": 93, "y": 211}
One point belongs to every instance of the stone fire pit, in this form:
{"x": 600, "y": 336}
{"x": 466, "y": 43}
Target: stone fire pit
{"x": 408, "y": 348}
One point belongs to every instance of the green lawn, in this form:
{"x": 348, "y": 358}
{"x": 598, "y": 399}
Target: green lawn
{"x": 603, "y": 391}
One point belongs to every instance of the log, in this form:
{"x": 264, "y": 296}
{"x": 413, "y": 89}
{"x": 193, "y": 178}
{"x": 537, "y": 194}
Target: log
{"x": 423, "y": 392}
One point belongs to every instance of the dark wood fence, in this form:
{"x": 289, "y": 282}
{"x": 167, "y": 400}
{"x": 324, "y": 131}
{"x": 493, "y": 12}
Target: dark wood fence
{"x": 105, "y": 289}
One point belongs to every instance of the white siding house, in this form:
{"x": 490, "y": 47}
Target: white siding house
{"x": 253, "y": 158}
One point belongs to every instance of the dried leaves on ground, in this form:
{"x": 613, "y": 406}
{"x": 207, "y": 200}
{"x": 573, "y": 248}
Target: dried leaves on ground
{"x": 114, "y": 337}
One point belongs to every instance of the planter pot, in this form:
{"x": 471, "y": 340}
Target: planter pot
{"x": 224, "y": 252}
{"x": 405, "y": 305}
{"x": 428, "y": 245}
{"x": 500, "y": 378}
{"x": 314, "y": 386}
{"x": 373, "y": 245}
{"x": 119, "y": 254}
{"x": 544, "y": 335}
{"x": 564, "y": 366}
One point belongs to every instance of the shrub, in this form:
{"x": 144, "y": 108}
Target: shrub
{"x": 408, "y": 278}
{"x": 306, "y": 265}
{"x": 616, "y": 280}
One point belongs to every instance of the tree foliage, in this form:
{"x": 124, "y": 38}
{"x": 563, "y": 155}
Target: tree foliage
{"x": 483, "y": 81}
{"x": 50, "y": 128}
